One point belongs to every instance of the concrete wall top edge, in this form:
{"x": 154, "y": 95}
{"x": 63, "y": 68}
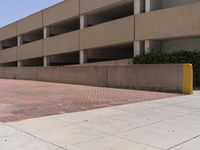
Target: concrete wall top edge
{"x": 54, "y": 5}
{"x": 6, "y": 26}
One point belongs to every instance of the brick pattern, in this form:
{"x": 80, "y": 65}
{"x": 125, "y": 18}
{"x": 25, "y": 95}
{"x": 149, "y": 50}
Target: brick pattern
{"x": 29, "y": 99}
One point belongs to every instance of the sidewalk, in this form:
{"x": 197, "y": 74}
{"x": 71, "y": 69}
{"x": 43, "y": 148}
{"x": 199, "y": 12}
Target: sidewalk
{"x": 171, "y": 123}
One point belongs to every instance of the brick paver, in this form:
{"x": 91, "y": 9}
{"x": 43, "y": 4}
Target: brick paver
{"x": 29, "y": 99}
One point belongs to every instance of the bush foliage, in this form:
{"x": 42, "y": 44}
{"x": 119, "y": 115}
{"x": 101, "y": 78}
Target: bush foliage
{"x": 175, "y": 58}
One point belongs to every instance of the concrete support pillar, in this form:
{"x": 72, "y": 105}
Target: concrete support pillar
{"x": 83, "y": 53}
{"x": 147, "y": 46}
{"x": 147, "y": 42}
{"x": 46, "y": 61}
{"x": 147, "y": 5}
{"x": 83, "y": 56}
{"x": 151, "y": 5}
{"x": 19, "y": 42}
{"x": 46, "y": 34}
{"x": 19, "y": 63}
{"x": 1, "y": 45}
{"x": 136, "y": 7}
{"x": 139, "y": 7}
{"x": 83, "y": 22}
{"x": 138, "y": 48}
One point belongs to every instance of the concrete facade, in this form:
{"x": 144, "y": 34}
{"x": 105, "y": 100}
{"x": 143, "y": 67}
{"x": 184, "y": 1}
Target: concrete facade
{"x": 88, "y": 31}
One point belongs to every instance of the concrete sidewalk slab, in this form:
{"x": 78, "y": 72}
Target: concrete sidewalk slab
{"x": 166, "y": 124}
{"x": 22, "y": 141}
{"x": 112, "y": 143}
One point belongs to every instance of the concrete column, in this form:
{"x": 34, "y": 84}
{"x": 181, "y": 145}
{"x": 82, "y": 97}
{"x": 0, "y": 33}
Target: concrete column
{"x": 19, "y": 63}
{"x": 147, "y": 42}
{"x": 46, "y": 34}
{"x": 147, "y": 46}
{"x": 46, "y": 61}
{"x": 83, "y": 56}
{"x": 150, "y": 5}
{"x": 1, "y": 45}
{"x": 138, "y": 48}
{"x": 83, "y": 21}
{"x": 147, "y": 5}
{"x": 139, "y": 6}
{"x": 19, "y": 42}
{"x": 83, "y": 53}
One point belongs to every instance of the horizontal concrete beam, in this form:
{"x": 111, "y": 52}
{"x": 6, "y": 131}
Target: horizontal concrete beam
{"x": 30, "y": 50}
{"x": 64, "y": 43}
{"x": 175, "y": 22}
{"x": 30, "y": 23}
{"x": 62, "y": 11}
{"x": 8, "y": 55}
{"x": 109, "y": 33}
{"x": 8, "y": 31}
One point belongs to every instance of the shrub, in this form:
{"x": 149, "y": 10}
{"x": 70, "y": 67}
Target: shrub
{"x": 175, "y": 58}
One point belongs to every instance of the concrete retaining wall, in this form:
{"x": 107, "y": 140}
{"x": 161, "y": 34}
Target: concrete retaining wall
{"x": 147, "y": 77}
{"x": 168, "y": 78}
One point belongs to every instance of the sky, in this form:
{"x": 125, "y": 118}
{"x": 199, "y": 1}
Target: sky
{"x": 13, "y": 10}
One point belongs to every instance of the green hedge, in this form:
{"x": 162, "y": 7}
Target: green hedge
{"x": 175, "y": 58}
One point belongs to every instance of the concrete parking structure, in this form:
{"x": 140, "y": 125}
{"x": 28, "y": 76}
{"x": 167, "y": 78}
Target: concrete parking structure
{"x": 85, "y": 31}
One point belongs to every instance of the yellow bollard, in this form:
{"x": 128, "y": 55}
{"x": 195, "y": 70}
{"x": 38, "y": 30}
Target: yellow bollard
{"x": 187, "y": 79}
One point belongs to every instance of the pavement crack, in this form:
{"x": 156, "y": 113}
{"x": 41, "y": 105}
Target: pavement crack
{"x": 183, "y": 142}
{"x": 36, "y": 137}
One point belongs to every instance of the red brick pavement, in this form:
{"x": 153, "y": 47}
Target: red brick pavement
{"x": 29, "y": 99}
